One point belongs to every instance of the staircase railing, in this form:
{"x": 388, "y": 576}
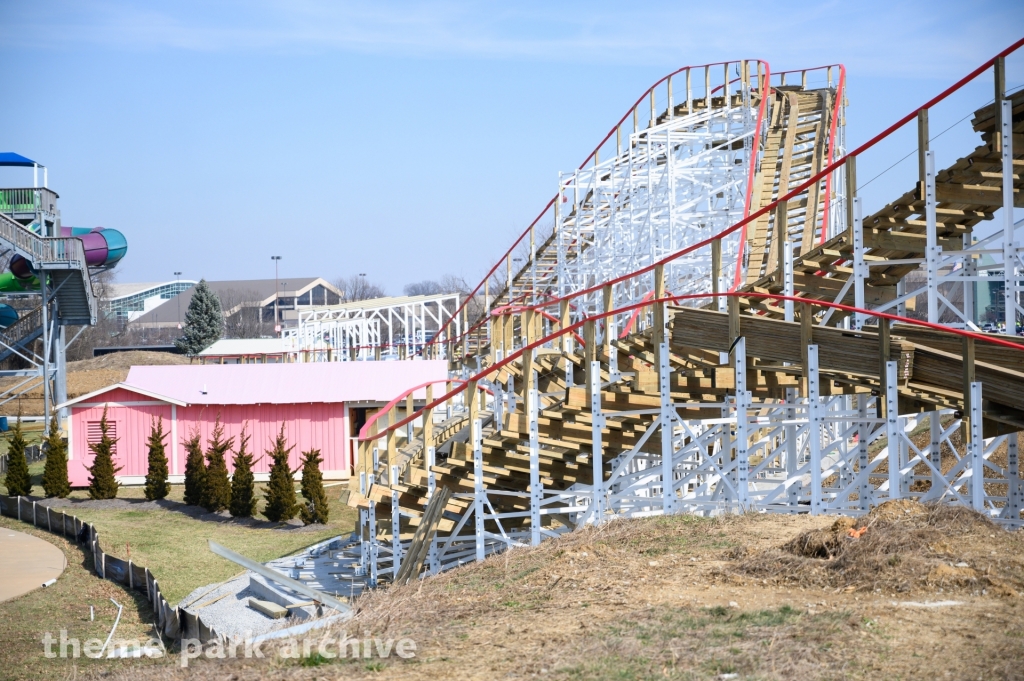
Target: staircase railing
{"x": 42, "y": 250}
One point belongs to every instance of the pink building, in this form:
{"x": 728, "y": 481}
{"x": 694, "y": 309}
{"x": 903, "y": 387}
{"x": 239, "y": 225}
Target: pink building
{"x": 322, "y": 406}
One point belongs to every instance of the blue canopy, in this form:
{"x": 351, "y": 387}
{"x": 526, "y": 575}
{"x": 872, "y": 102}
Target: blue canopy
{"x": 9, "y": 158}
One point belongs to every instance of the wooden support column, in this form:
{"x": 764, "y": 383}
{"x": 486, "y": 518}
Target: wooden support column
{"x": 471, "y": 401}
{"x": 658, "y": 337}
{"x": 734, "y": 319}
{"x": 589, "y": 341}
{"x": 851, "y": 191}
{"x": 428, "y": 421}
{"x": 528, "y": 355}
{"x": 565, "y": 342}
{"x": 922, "y": 148}
{"x": 806, "y": 340}
{"x": 716, "y": 267}
{"x": 392, "y": 445}
{"x": 609, "y": 305}
{"x": 883, "y": 357}
{"x": 968, "y": 354}
{"x": 999, "y": 73}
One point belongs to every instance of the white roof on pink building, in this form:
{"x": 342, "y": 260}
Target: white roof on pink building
{"x": 329, "y": 382}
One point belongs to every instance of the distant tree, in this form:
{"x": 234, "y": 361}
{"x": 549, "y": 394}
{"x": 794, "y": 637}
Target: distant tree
{"x": 18, "y": 481}
{"x": 102, "y": 483}
{"x": 448, "y": 283}
{"x": 243, "y": 489}
{"x": 195, "y": 469}
{"x": 204, "y": 321}
{"x": 280, "y": 492}
{"x": 55, "y": 473}
{"x": 423, "y": 288}
{"x": 315, "y": 509}
{"x": 243, "y": 314}
{"x": 358, "y": 288}
{"x": 217, "y": 492}
{"x": 157, "y": 486}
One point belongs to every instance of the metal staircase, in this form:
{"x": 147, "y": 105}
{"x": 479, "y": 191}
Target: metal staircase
{"x": 62, "y": 261}
{"x": 16, "y": 338}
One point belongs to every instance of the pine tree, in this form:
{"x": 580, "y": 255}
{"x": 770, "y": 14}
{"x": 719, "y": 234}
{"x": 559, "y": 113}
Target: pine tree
{"x": 243, "y": 491}
{"x": 157, "y": 486}
{"x": 217, "y": 492}
{"x": 280, "y": 492}
{"x": 315, "y": 509}
{"x": 18, "y": 481}
{"x": 55, "y": 473}
{"x": 204, "y": 321}
{"x": 102, "y": 484}
{"x": 195, "y": 469}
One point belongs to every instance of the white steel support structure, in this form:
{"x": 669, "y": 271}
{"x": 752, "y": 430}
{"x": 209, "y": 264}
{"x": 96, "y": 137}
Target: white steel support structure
{"x": 672, "y": 185}
{"x": 384, "y": 328}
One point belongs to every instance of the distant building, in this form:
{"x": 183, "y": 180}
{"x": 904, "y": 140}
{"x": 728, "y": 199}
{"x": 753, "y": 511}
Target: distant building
{"x": 253, "y": 298}
{"x": 245, "y": 351}
{"x": 128, "y": 302}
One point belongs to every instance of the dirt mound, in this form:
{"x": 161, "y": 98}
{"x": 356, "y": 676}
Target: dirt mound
{"x": 125, "y": 360}
{"x": 900, "y": 546}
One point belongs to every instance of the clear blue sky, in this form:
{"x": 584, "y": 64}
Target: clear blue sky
{"x": 407, "y": 140}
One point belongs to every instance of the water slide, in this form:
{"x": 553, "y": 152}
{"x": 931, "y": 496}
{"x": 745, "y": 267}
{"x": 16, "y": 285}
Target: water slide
{"x": 103, "y": 248}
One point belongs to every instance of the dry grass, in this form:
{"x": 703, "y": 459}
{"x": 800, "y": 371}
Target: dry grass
{"x": 660, "y": 598}
{"x": 86, "y": 376}
{"x": 900, "y": 546}
{"x": 65, "y": 605}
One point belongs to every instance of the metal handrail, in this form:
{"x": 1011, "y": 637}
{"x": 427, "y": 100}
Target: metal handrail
{"x": 42, "y": 250}
{"x": 824, "y": 172}
{"x": 593, "y": 154}
{"x": 39, "y": 198}
{"x": 558, "y": 333}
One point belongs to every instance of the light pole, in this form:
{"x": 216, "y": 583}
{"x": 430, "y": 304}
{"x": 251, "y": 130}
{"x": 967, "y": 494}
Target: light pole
{"x": 177, "y": 290}
{"x": 277, "y": 292}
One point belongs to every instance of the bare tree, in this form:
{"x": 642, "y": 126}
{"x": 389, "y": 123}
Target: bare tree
{"x": 358, "y": 287}
{"x": 423, "y": 288}
{"x": 107, "y": 331}
{"x": 243, "y": 315}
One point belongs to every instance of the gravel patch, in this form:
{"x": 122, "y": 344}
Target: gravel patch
{"x": 226, "y": 609}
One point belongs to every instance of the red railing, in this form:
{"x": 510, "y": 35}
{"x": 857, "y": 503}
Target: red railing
{"x": 800, "y": 188}
{"x": 675, "y": 299}
{"x": 739, "y": 225}
{"x": 592, "y": 154}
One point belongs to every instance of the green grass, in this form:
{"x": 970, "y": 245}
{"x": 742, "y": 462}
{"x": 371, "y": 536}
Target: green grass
{"x": 32, "y": 432}
{"x": 65, "y": 605}
{"x": 174, "y": 546}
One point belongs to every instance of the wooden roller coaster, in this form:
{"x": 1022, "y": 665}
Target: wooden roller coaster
{"x": 785, "y": 377}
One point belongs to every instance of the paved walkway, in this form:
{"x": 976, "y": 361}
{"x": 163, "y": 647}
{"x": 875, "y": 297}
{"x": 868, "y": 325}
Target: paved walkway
{"x": 26, "y": 562}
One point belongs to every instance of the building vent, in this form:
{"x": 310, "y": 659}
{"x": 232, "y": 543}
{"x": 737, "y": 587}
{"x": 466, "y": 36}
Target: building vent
{"x": 94, "y": 434}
